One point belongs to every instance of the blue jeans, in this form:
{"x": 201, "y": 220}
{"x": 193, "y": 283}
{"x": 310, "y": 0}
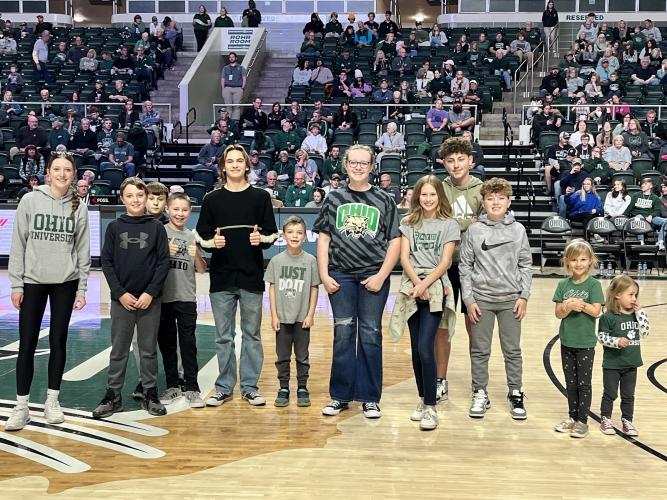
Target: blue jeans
{"x": 213, "y": 167}
{"x": 506, "y": 77}
{"x": 356, "y": 366}
{"x": 252, "y": 355}
{"x": 129, "y": 168}
{"x": 659, "y": 223}
{"x": 423, "y": 326}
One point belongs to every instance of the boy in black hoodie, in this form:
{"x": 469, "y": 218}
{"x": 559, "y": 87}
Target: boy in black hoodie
{"x": 135, "y": 261}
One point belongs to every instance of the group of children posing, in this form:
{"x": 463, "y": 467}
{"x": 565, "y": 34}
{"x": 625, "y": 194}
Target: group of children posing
{"x": 458, "y": 242}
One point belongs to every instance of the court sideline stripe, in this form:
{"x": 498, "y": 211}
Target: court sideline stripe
{"x": 650, "y": 373}
{"x": 546, "y": 359}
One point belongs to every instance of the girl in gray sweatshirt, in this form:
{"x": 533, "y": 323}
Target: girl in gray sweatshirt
{"x": 49, "y": 259}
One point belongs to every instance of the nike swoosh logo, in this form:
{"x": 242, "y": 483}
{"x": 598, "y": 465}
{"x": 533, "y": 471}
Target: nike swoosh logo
{"x": 486, "y": 247}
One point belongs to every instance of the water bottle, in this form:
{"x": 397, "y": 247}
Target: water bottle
{"x": 601, "y": 269}
{"x": 642, "y": 268}
{"x": 610, "y": 269}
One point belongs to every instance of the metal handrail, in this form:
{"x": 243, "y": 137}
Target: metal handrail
{"x": 86, "y": 105}
{"x": 188, "y": 123}
{"x": 262, "y": 46}
{"x": 554, "y": 39}
{"x": 541, "y": 57}
{"x": 657, "y": 108}
{"x": 517, "y": 81}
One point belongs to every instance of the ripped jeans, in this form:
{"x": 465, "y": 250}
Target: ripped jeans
{"x": 356, "y": 366}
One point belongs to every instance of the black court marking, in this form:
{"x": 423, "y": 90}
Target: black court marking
{"x": 650, "y": 373}
{"x": 546, "y": 359}
{"x": 31, "y": 450}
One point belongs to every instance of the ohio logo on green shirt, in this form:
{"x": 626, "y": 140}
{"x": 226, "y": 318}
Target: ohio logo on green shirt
{"x": 357, "y": 220}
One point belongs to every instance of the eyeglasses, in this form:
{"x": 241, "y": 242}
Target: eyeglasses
{"x": 355, "y": 164}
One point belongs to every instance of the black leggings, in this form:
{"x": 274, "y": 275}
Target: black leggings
{"x": 61, "y": 297}
{"x": 578, "y": 370}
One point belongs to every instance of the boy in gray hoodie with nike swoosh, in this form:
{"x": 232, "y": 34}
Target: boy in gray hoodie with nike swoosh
{"x": 495, "y": 280}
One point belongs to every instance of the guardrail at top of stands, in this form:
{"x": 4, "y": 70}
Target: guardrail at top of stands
{"x": 88, "y": 105}
{"x": 658, "y": 108}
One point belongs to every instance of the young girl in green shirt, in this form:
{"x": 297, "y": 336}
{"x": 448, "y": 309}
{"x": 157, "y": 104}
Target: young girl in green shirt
{"x": 579, "y": 302}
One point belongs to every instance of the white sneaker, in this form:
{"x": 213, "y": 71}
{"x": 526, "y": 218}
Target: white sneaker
{"x": 429, "y": 421}
{"x": 170, "y": 395}
{"x": 254, "y": 398}
{"x": 52, "y": 412}
{"x": 417, "y": 415}
{"x": 480, "y": 403}
{"x": 442, "y": 391}
{"x": 19, "y": 419}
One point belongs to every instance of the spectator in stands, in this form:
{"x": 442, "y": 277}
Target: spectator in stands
{"x": 460, "y": 85}
{"x": 32, "y": 164}
{"x": 553, "y": 83}
{"x": 383, "y": 95}
{"x": 390, "y": 142}
{"x": 308, "y": 166}
{"x": 89, "y": 63}
{"x": 557, "y": 161}
{"x": 83, "y": 190}
{"x": 7, "y": 44}
{"x": 460, "y": 118}
{"x": 333, "y": 165}
{"x": 227, "y": 135}
{"x": 315, "y": 25}
{"x": 381, "y": 64}
{"x": 652, "y": 51}
{"x": 483, "y": 44}
{"x": 40, "y": 56}
{"x": 76, "y": 51}
{"x": 95, "y": 119}
{"x": 570, "y": 181}
{"x": 549, "y": 23}
{"x": 463, "y": 40}
{"x": 99, "y": 94}
{"x": 129, "y": 115}
{"x": 614, "y": 64}
{"x": 363, "y": 37}
{"x": 342, "y": 86}
{"x": 287, "y": 139}
{"x": 333, "y": 28}
{"x": 145, "y": 71}
{"x": 574, "y": 83}
{"x": 402, "y": 64}
{"x": 347, "y": 38}
{"x": 14, "y": 81}
{"x": 406, "y": 200}
{"x": 138, "y": 137}
{"x": 439, "y": 87}
{"x": 636, "y": 140}
{"x": 275, "y": 117}
{"x": 600, "y": 44}
{"x": 325, "y": 115}
{"x": 252, "y": 18}
{"x": 372, "y": 25}
{"x": 548, "y": 120}
{"x": 583, "y": 204}
{"x": 210, "y": 153}
{"x": 106, "y": 63}
{"x": 436, "y": 119}
{"x": 581, "y": 130}
{"x": 48, "y": 108}
{"x": 387, "y": 45}
{"x": 589, "y": 30}
{"x": 123, "y": 64}
{"x": 617, "y": 200}
{"x": 651, "y": 32}
{"x": 318, "y": 198}
{"x": 258, "y": 169}
{"x": 106, "y": 136}
{"x": 360, "y": 88}
{"x": 477, "y": 155}
{"x": 605, "y": 137}
{"x": 421, "y": 84}
{"x": 617, "y": 109}
{"x": 584, "y": 148}
{"x": 387, "y": 26}
{"x": 263, "y": 143}
{"x": 501, "y": 67}
{"x": 334, "y": 184}
{"x": 653, "y": 128}
{"x": 437, "y": 38}
{"x": 201, "y": 23}
{"x": 474, "y": 58}
{"x": 154, "y": 26}
{"x": 597, "y": 167}
{"x": 393, "y": 191}
{"x": 84, "y": 141}
{"x": 9, "y": 106}
{"x": 284, "y": 168}
{"x": 297, "y": 116}
{"x": 321, "y": 75}
{"x": 121, "y": 155}
{"x": 276, "y": 191}
{"x": 302, "y": 73}
{"x": 223, "y": 20}
{"x": 630, "y": 55}
{"x": 42, "y": 26}
{"x": 254, "y": 118}
{"x": 412, "y": 44}
{"x": 314, "y": 142}
{"x": 165, "y": 48}
{"x": 569, "y": 62}
{"x": 618, "y": 156}
{"x": 645, "y": 74}
{"x": 137, "y": 27}
{"x": 57, "y": 135}
{"x": 345, "y": 118}
{"x": 345, "y": 62}
{"x": 31, "y": 133}
{"x": 233, "y": 81}
{"x": 299, "y": 193}
{"x": 61, "y": 54}
{"x": 521, "y": 47}
{"x": 646, "y": 205}
{"x": 499, "y": 43}
{"x": 311, "y": 46}
{"x": 622, "y": 126}
{"x": 593, "y": 88}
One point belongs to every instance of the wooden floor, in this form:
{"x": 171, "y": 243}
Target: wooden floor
{"x": 237, "y": 451}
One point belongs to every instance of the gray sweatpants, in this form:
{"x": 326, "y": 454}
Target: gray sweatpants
{"x": 509, "y": 329}
{"x": 122, "y": 329}
{"x": 292, "y": 335}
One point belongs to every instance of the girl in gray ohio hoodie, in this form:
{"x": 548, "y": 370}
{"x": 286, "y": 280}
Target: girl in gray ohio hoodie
{"x": 49, "y": 259}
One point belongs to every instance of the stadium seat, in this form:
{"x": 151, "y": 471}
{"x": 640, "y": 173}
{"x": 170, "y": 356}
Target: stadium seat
{"x": 554, "y": 235}
{"x": 636, "y": 252}
{"x": 204, "y": 176}
{"x": 115, "y": 176}
{"x": 196, "y": 191}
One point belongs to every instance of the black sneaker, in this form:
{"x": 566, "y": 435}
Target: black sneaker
{"x": 110, "y": 404}
{"x": 302, "y": 397}
{"x": 517, "y": 409}
{"x": 138, "y": 392}
{"x": 218, "y": 399}
{"x": 371, "y": 410}
{"x": 334, "y": 408}
{"x": 152, "y": 404}
{"x": 282, "y": 399}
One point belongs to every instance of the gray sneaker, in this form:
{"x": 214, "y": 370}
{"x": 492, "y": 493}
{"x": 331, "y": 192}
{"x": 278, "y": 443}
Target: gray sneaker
{"x": 480, "y": 403}
{"x": 152, "y": 404}
{"x": 302, "y": 397}
{"x": 110, "y": 404}
{"x": 282, "y": 399}
{"x": 19, "y": 418}
{"x": 194, "y": 399}
{"x": 170, "y": 395}
{"x": 580, "y": 430}
{"x": 565, "y": 426}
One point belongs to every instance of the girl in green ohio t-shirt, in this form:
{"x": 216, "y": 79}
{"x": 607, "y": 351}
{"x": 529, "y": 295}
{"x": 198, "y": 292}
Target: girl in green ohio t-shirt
{"x": 579, "y": 300}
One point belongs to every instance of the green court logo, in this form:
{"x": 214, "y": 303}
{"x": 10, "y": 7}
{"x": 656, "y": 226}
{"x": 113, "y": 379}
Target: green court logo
{"x": 357, "y": 220}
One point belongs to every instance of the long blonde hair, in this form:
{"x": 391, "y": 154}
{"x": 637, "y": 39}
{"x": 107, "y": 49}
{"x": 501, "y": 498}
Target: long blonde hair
{"x": 582, "y": 191}
{"x": 617, "y": 286}
{"x": 574, "y": 249}
{"x": 415, "y": 215}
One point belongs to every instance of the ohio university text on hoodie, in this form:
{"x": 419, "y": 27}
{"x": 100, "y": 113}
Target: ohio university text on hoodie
{"x": 49, "y": 243}
{"x": 495, "y": 261}
{"x": 135, "y": 256}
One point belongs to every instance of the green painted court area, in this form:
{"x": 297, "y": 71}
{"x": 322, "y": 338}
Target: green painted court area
{"x": 87, "y": 360}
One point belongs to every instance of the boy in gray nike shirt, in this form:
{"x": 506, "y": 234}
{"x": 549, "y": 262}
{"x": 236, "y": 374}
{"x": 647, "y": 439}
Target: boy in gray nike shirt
{"x": 495, "y": 280}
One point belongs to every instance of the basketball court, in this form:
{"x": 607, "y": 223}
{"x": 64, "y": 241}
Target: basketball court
{"x": 239, "y": 451}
